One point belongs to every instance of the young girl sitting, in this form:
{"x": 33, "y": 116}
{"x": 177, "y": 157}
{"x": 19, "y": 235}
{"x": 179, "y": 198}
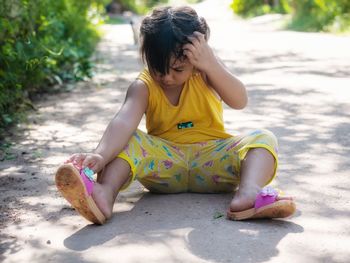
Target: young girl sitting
{"x": 186, "y": 148}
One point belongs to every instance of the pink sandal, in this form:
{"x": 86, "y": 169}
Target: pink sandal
{"x": 76, "y": 187}
{"x": 267, "y": 205}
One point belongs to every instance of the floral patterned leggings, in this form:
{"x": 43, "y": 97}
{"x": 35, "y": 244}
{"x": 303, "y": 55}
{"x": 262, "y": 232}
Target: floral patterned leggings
{"x": 207, "y": 167}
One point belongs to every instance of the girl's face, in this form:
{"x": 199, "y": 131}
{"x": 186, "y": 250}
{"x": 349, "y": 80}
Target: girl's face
{"x": 179, "y": 72}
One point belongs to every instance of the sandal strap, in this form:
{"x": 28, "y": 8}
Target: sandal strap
{"x": 87, "y": 176}
{"x": 266, "y": 196}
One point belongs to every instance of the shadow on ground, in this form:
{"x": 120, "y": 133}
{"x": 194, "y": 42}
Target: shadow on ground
{"x": 155, "y": 222}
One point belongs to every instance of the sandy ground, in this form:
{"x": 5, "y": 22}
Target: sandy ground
{"x": 298, "y": 85}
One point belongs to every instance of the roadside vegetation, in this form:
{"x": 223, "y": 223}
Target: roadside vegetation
{"x": 46, "y": 44}
{"x": 306, "y": 15}
{"x": 43, "y": 43}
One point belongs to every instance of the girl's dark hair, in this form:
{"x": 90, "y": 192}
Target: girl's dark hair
{"x": 165, "y": 31}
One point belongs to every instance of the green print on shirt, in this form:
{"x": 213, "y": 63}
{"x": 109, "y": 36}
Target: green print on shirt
{"x": 184, "y": 125}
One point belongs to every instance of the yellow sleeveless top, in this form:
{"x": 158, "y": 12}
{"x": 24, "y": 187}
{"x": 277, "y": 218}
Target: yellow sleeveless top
{"x": 198, "y": 117}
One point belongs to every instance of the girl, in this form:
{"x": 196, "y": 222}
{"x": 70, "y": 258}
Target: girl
{"x": 186, "y": 148}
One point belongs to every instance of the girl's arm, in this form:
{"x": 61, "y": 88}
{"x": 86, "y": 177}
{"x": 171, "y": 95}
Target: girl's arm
{"x": 231, "y": 90}
{"x": 126, "y": 121}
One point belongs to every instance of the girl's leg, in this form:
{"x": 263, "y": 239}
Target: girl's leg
{"x": 256, "y": 170}
{"x": 108, "y": 184}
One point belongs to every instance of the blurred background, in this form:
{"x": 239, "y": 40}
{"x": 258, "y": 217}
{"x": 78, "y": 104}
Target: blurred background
{"x": 46, "y": 44}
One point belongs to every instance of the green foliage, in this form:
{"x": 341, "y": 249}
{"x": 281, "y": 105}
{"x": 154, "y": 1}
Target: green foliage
{"x": 249, "y": 8}
{"x": 321, "y": 15}
{"x": 42, "y": 42}
{"x": 307, "y": 15}
{"x": 6, "y": 152}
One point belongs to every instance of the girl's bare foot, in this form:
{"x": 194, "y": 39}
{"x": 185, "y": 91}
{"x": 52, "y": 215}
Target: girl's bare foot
{"x": 104, "y": 199}
{"x": 244, "y": 199}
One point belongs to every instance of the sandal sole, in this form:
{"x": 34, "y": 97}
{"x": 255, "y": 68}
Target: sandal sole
{"x": 279, "y": 209}
{"x": 71, "y": 186}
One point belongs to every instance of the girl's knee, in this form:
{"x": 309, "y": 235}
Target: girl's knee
{"x": 267, "y": 135}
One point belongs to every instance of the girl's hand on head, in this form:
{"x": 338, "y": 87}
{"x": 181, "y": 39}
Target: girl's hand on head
{"x": 198, "y": 52}
{"x": 91, "y": 160}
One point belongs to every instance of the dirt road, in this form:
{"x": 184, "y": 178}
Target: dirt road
{"x": 298, "y": 85}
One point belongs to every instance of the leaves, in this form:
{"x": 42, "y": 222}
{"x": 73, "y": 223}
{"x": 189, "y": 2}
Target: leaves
{"x": 43, "y": 42}
{"x": 6, "y": 153}
{"x": 218, "y": 215}
{"x": 307, "y": 15}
